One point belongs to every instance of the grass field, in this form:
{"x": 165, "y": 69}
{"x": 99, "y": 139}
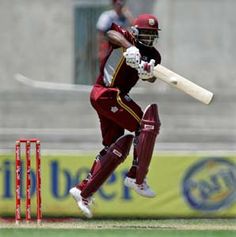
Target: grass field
{"x": 122, "y": 227}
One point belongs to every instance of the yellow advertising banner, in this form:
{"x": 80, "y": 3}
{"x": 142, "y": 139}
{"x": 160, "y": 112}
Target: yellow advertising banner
{"x": 186, "y": 186}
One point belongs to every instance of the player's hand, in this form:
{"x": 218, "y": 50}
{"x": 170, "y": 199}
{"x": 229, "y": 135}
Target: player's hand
{"x": 145, "y": 70}
{"x": 132, "y": 56}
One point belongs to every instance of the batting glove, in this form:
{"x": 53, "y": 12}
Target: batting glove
{"x": 132, "y": 56}
{"x": 145, "y": 69}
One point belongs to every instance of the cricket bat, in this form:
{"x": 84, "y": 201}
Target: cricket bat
{"x": 183, "y": 84}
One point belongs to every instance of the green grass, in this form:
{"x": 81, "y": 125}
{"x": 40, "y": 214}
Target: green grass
{"x": 113, "y": 233}
{"x": 123, "y": 227}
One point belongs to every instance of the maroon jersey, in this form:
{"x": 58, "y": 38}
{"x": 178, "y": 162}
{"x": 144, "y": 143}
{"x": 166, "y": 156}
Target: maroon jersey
{"x": 115, "y": 73}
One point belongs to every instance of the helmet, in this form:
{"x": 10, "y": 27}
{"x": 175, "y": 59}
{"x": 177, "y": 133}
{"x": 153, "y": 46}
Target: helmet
{"x": 145, "y": 29}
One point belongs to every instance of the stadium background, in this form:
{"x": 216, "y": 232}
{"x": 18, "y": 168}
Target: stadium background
{"x": 193, "y": 170}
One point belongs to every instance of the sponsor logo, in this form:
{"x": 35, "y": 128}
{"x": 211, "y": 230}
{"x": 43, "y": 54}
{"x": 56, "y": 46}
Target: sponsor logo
{"x": 114, "y": 109}
{"x": 53, "y": 177}
{"x": 144, "y": 58}
{"x": 210, "y": 185}
{"x": 148, "y": 126}
{"x": 127, "y": 98}
{"x": 117, "y": 153}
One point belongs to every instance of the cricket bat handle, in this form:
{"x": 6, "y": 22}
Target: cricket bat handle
{"x": 203, "y": 95}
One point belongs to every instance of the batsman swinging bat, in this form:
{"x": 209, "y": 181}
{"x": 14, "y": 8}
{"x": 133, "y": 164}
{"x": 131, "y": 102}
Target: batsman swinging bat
{"x": 183, "y": 84}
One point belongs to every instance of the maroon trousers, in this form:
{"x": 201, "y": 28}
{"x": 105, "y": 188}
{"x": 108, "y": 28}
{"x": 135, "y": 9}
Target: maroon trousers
{"x": 116, "y": 112}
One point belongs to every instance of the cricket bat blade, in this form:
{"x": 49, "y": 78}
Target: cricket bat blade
{"x": 203, "y": 95}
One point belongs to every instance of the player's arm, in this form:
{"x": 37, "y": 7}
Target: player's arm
{"x": 132, "y": 54}
{"x": 117, "y": 39}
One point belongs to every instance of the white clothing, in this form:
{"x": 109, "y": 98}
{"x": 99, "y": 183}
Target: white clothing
{"x": 108, "y": 17}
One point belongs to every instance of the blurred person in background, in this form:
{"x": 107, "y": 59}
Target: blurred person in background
{"x": 131, "y": 57}
{"x": 120, "y": 15}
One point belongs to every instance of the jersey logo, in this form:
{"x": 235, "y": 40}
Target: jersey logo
{"x": 151, "y": 22}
